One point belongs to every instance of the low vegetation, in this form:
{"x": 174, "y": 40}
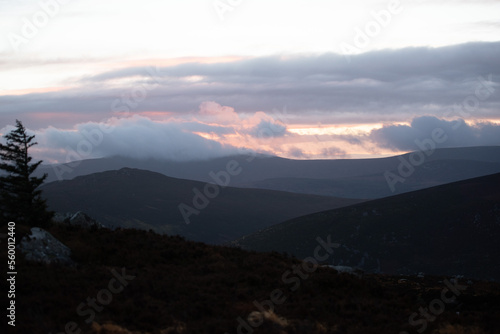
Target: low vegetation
{"x": 179, "y": 286}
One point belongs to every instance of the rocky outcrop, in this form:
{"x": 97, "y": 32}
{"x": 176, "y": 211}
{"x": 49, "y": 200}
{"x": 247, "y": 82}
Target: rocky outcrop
{"x": 41, "y": 246}
{"x": 77, "y": 219}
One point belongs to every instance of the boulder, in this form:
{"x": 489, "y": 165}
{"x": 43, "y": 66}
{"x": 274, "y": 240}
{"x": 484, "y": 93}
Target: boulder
{"x": 41, "y": 246}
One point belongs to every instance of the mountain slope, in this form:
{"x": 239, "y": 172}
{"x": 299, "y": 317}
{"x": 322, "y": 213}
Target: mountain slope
{"x": 451, "y": 229}
{"x": 348, "y": 178}
{"x": 371, "y": 186}
{"x": 144, "y": 199}
{"x": 141, "y": 282}
{"x": 266, "y": 167}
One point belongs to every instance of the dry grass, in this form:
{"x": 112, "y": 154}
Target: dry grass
{"x": 458, "y": 329}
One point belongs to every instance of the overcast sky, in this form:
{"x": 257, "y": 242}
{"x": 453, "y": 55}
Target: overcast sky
{"x": 204, "y": 78}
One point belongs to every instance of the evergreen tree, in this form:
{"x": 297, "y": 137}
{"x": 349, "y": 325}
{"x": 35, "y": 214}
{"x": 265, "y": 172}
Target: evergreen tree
{"x": 20, "y": 198}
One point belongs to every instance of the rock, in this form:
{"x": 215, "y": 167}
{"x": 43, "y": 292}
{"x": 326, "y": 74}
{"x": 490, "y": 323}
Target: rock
{"x": 77, "y": 219}
{"x": 84, "y": 220}
{"x": 343, "y": 269}
{"x": 60, "y": 217}
{"x": 41, "y": 246}
{"x": 348, "y": 270}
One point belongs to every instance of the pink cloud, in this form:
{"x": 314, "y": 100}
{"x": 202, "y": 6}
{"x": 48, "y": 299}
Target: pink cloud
{"x": 219, "y": 114}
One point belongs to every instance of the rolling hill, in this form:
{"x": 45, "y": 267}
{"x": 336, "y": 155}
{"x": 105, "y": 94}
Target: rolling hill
{"x": 347, "y": 178}
{"x": 451, "y": 229}
{"x": 135, "y": 198}
{"x": 372, "y": 186}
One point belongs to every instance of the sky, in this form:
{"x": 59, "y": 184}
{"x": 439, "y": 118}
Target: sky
{"x": 197, "y": 79}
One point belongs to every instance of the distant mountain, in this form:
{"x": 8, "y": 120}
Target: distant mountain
{"x": 451, "y": 229}
{"x": 371, "y": 186}
{"x": 147, "y": 200}
{"x": 348, "y": 178}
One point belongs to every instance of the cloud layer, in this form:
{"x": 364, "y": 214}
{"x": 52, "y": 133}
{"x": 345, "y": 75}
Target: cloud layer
{"x": 455, "y": 133}
{"x": 217, "y": 131}
{"x": 213, "y": 131}
{"x": 292, "y": 106}
{"x": 387, "y": 85}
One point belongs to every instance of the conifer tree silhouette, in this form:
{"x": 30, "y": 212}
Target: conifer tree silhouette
{"x": 20, "y": 196}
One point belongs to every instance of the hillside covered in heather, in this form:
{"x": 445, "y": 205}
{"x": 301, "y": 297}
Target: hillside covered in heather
{"x": 170, "y": 285}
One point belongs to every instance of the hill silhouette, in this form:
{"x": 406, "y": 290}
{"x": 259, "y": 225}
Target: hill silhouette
{"x": 136, "y": 198}
{"x": 346, "y": 178}
{"x": 451, "y": 229}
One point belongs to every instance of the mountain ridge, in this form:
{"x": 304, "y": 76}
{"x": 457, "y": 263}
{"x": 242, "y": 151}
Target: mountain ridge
{"x": 144, "y": 199}
{"x": 438, "y": 167}
{"x": 402, "y": 234}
